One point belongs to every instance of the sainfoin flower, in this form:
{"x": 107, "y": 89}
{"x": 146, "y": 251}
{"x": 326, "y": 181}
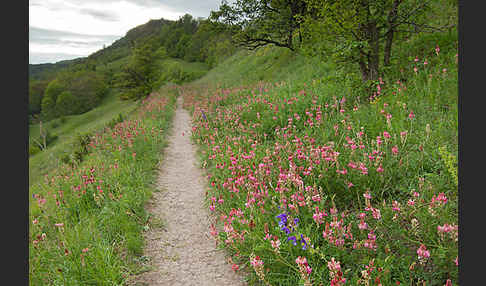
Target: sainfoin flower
{"x": 411, "y": 115}
{"x": 235, "y": 267}
{"x": 335, "y": 273}
{"x": 302, "y": 262}
{"x": 256, "y": 261}
{"x": 423, "y": 253}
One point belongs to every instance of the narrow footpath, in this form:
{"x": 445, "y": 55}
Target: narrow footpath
{"x": 183, "y": 252}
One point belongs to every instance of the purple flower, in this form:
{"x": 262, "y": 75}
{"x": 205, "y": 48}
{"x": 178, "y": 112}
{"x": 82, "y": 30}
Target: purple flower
{"x": 293, "y": 238}
{"x": 283, "y": 218}
{"x": 304, "y": 246}
{"x": 286, "y": 229}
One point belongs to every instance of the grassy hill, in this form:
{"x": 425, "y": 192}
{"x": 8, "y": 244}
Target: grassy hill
{"x": 66, "y": 130}
{"x": 116, "y": 51}
{"x": 371, "y": 180}
{"x": 314, "y": 176}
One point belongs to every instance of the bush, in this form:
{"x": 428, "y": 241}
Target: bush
{"x": 33, "y": 149}
{"x": 116, "y": 120}
{"x": 80, "y": 146}
{"x": 66, "y": 103}
{"x": 48, "y": 105}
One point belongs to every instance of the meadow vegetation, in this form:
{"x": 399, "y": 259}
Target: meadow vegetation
{"x": 324, "y": 167}
{"x": 86, "y": 218}
{"x": 315, "y": 182}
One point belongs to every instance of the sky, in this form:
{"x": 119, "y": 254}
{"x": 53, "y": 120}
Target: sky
{"x": 68, "y": 29}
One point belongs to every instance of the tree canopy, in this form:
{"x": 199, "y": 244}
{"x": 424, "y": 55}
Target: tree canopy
{"x": 256, "y": 23}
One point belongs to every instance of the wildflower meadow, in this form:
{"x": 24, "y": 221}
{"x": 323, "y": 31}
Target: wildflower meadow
{"x": 86, "y": 218}
{"x": 312, "y": 185}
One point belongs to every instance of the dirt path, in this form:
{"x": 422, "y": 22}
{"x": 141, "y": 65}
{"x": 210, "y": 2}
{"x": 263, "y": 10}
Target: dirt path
{"x": 183, "y": 252}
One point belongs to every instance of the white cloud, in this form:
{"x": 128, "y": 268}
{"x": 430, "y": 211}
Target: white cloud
{"x": 66, "y": 16}
{"x": 104, "y": 18}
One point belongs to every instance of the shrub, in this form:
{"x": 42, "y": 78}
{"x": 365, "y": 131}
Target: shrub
{"x": 48, "y": 105}
{"x": 33, "y": 149}
{"x": 66, "y": 103}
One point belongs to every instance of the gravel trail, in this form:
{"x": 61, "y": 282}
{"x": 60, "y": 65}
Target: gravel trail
{"x": 183, "y": 252}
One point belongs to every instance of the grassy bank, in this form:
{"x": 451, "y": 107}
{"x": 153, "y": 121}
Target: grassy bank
{"x": 315, "y": 182}
{"x": 86, "y": 220}
{"x": 66, "y": 129}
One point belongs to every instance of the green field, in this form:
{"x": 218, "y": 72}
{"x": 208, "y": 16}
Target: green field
{"x": 313, "y": 174}
{"x": 93, "y": 120}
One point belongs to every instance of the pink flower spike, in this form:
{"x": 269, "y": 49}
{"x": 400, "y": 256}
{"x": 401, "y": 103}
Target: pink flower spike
{"x": 235, "y": 267}
{"x": 422, "y": 252}
{"x": 411, "y": 115}
{"x": 380, "y": 169}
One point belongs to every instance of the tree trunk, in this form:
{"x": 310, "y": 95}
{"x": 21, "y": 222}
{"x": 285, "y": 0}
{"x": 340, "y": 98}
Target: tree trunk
{"x": 374, "y": 59}
{"x": 389, "y": 36}
{"x": 365, "y": 71}
{"x": 388, "y": 47}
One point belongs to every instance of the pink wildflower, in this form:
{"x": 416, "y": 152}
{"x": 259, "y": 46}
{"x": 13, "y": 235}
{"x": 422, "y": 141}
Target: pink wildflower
{"x": 256, "y": 262}
{"x": 423, "y": 253}
{"x": 411, "y": 115}
{"x": 234, "y": 266}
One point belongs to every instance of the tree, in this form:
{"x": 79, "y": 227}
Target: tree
{"x": 48, "y": 105}
{"x": 36, "y": 92}
{"x": 66, "y": 103}
{"x": 257, "y": 23}
{"x": 137, "y": 77}
{"x": 87, "y": 88}
{"x": 363, "y": 31}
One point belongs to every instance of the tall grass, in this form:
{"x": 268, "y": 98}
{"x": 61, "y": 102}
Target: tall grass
{"x": 95, "y": 119}
{"x": 86, "y": 220}
{"x": 316, "y": 183}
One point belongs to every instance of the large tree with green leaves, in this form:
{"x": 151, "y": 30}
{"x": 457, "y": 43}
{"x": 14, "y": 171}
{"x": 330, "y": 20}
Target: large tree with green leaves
{"x": 258, "y": 23}
{"x": 48, "y": 105}
{"x": 138, "y": 76}
{"x": 363, "y": 31}
{"x": 66, "y": 103}
{"x": 36, "y": 92}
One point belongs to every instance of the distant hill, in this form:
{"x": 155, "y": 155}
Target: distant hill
{"x": 119, "y": 49}
{"x": 48, "y": 70}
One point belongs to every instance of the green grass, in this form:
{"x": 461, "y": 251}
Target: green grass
{"x": 87, "y": 220}
{"x": 244, "y": 132}
{"x": 265, "y": 64}
{"x": 47, "y": 160}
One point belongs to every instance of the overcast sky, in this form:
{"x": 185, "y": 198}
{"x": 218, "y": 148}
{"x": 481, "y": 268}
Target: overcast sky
{"x": 68, "y": 29}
